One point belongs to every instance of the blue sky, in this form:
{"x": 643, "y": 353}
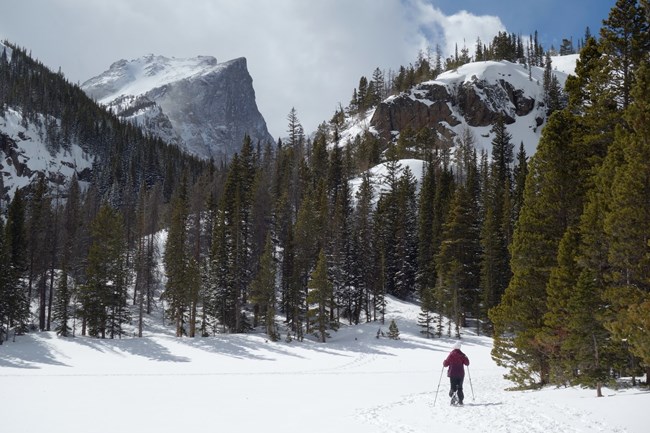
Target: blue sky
{"x": 554, "y": 19}
{"x": 307, "y": 54}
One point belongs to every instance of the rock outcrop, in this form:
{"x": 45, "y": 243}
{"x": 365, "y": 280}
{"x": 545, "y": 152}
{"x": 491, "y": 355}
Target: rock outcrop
{"x": 473, "y": 96}
{"x": 202, "y": 106}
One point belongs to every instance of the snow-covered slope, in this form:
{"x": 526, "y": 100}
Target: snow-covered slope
{"x": 472, "y": 96}
{"x": 139, "y": 76}
{"x": 7, "y": 50}
{"x": 199, "y": 104}
{"x": 355, "y": 382}
{"x": 24, "y": 154}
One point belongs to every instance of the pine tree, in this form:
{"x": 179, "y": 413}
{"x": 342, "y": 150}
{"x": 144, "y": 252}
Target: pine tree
{"x": 62, "y": 305}
{"x": 393, "y": 331}
{"x": 562, "y": 281}
{"x": 427, "y": 317}
{"x": 387, "y": 214}
{"x": 17, "y": 300}
{"x": 625, "y": 36}
{"x": 365, "y": 245}
{"x": 553, "y": 95}
{"x": 627, "y": 223}
{"x": 295, "y": 131}
{"x": 146, "y": 252}
{"x": 319, "y": 299}
{"x": 104, "y": 294}
{"x": 5, "y": 272}
{"x": 551, "y": 204}
{"x": 38, "y": 217}
{"x": 343, "y": 253}
{"x": 312, "y": 213}
{"x": 406, "y": 235}
{"x": 177, "y": 262}
{"x": 458, "y": 265}
{"x": 444, "y": 193}
{"x": 263, "y": 295}
{"x": 426, "y": 264}
{"x": 73, "y": 228}
{"x": 520, "y": 174}
{"x": 491, "y": 263}
{"x": 379, "y": 86}
{"x": 496, "y": 232}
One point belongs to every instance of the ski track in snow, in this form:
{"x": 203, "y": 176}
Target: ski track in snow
{"x": 371, "y": 385}
{"x": 507, "y": 412}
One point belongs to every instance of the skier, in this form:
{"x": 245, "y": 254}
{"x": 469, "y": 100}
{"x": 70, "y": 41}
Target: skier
{"x": 456, "y": 373}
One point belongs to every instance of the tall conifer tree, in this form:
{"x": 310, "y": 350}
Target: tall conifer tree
{"x": 550, "y": 206}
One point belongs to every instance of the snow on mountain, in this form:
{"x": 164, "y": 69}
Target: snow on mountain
{"x": 471, "y": 96}
{"x": 26, "y": 153}
{"x": 201, "y": 105}
{"x": 565, "y": 64}
{"x": 140, "y": 76}
{"x": 355, "y": 382}
{"x": 6, "y": 49}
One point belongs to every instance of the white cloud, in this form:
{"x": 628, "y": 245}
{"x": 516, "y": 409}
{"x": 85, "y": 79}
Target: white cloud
{"x": 307, "y": 54}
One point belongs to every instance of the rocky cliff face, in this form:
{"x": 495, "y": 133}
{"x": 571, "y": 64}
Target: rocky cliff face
{"x": 198, "y": 104}
{"x": 473, "y": 96}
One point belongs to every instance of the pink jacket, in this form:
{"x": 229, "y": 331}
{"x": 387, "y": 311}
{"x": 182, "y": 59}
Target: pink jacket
{"x": 455, "y": 362}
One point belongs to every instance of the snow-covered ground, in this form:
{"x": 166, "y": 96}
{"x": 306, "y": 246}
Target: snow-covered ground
{"x": 353, "y": 383}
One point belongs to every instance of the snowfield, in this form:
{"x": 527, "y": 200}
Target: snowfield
{"x": 353, "y": 383}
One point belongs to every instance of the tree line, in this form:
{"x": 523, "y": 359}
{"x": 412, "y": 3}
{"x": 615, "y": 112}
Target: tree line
{"x": 577, "y": 306}
{"x": 548, "y": 255}
{"x": 431, "y": 63}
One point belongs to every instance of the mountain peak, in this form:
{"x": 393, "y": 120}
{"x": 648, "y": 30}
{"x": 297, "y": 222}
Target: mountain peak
{"x": 197, "y": 103}
{"x": 138, "y": 76}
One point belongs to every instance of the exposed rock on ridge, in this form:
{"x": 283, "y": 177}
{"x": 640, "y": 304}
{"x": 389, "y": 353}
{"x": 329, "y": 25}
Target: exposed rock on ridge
{"x": 473, "y": 96}
{"x": 203, "y": 106}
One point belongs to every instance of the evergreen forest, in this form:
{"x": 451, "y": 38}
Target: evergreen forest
{"x": 549, "y": 253}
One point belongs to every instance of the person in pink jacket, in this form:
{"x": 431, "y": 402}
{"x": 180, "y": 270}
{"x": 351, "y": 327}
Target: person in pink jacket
{"x": 456, "y": 373}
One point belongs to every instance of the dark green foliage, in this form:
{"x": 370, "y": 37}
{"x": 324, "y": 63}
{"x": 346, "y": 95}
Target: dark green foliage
{"x": 104, "y": 295}
{"x": 5, "y": 306}
{"x": 579, "y": 290}
{"x": 627, "y": 224}
{"x": 393, "y": 331}
{"x": 554, "y": 98}
{"x": 397, "y": 224}
{"x": 263, "y": 296}
{"x": 625, "y": 36}
{"x": 180, "y": 266}
{"x": 426, "y": 277}
{"x": 427, "y": 316}
{"x": 551, "y": 204}
{"x": 319, "y": 299}
{"x": 458, "y": 266}
{"x": 62, "y": 313}
{"x": 16, "y": 267}
{"x": 367, "y": 253}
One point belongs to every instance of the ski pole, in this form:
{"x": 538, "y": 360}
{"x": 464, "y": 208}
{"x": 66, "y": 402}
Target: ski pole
{"x": 470, "y": 382}
{"x": 437, "y": 389}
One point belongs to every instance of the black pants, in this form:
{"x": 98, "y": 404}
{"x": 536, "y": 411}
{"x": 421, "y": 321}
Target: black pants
{"x": 457, "y": 385}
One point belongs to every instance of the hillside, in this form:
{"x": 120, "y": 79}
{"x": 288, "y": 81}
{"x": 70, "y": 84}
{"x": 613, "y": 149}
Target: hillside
{"x": 353, "y": 383}
{"x": 469, "y": 97}
{"x": 49, "y": 127}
